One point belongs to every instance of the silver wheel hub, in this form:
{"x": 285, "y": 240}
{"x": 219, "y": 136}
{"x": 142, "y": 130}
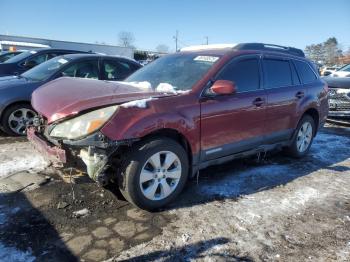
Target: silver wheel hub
{"x": 19, "y": 119}
{"x": 160, "y": 175}
{"x": 304, "y": 137}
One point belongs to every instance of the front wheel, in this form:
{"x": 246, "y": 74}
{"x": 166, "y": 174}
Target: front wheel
{"x": 154, "y": 173}
{"x": 16, "y": 118}
{"x": 303, "y": 137}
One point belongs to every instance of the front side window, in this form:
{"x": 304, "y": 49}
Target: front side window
{"x": 115, "y": 70}
{"x": 277, "y": 73}
{"x": 181, "y": 71}
{"x": 305, "y": 72}
{"x": 244, "y": 73}
{"x": 84, "y": 69}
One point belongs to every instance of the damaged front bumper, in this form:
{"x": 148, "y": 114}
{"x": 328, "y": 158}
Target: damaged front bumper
{"x": 92, "y": 154}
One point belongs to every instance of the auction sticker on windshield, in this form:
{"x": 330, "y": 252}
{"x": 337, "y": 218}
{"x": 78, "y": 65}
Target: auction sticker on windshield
{"x": 62, "y": 61}
{"x": 205, "y": 58}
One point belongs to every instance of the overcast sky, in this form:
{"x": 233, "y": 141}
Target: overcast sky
{"x": 291, "y": 22}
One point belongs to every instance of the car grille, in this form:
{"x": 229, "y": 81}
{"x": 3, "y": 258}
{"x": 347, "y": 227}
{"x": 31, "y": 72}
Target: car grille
{"x": 338, "y": 101}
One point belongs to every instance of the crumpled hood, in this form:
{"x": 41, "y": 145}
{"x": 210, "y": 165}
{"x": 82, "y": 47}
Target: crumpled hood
{"x": 68, "y": 96}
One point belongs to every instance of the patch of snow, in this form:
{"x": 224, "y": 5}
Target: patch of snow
{"x": 81, "y": 213}
{"x": 269, "y": 194}
{"x": 141, "y": 103}
{"x": 166, "y": 88}
{"x": 142, "y": 85}
{"x": 18, "y": 158}
{"x": 162, "y": 87}
{"x": 14, "y": 255}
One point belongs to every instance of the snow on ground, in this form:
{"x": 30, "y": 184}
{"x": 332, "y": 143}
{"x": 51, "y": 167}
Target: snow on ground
{"x": 266, "y": 208}
{"x": 19, "y": 157}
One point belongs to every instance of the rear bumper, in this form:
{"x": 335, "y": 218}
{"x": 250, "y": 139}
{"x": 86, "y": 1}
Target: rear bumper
{"x": 54, "y": 154}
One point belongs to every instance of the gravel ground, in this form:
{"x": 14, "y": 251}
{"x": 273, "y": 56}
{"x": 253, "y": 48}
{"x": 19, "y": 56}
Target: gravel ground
{"x": 277, "y": 209}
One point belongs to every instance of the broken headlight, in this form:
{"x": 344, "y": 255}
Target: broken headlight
{"x": 83, "y": 125}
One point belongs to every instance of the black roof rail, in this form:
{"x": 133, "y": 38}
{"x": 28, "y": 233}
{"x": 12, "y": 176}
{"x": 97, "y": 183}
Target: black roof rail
{"x": 270, "y": 47}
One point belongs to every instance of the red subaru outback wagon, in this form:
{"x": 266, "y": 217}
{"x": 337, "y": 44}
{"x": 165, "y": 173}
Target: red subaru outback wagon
{"x": 185, "y": 111}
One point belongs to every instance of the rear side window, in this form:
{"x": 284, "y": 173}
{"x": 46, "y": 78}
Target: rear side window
{"x": 305, "y": 72}
{"x": 277, "y": 73}
{"x": 244, "y": 73}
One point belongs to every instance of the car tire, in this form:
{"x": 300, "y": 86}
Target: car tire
{"x": 154, "y": 173}
{"x": 21, "y": 115}
{"x": 303, "y": 137}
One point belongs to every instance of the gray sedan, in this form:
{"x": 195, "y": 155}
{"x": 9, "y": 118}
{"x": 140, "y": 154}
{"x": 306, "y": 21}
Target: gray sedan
{"x": 15, "y": 91}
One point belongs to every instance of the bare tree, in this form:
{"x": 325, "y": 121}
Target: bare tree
{"x": 328, "y": 52}
{"x": 332, "y": 50}
{"x": 126, "y": 39}
{"x": 315, "y": 52}
{"x": 162, "y": 48}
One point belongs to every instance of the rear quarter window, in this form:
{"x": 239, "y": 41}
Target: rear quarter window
{"x": 305, "y": 72}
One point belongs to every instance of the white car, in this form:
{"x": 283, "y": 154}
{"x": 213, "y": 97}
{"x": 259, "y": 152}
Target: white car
{"x": 328, "y": 70}
{"x": 342, "y": 72}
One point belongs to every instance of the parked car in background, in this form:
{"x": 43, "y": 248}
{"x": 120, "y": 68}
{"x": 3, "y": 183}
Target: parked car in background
{"x": 29, "y": 59}
{"x": 339, "y": 96}
{"x": 15, "y": 91}
{"x": 328, "y": 70}
{"x": 342, "y": 72}
{"x": 8, "y": 54}
{"x": 183, "y": 112}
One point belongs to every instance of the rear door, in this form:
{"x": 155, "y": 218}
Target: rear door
{"x": 284, "y": 94}
{"x": 234, "y": 123}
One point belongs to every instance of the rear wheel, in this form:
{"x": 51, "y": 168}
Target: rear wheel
{"x": 16, "y": 118}
{"x": 154, "y": 173}
{"x": 303, "y": 137}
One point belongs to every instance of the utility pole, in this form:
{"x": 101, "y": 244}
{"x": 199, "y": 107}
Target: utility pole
{"x": 176, "y": 38}
{"x": 207, "y": 38}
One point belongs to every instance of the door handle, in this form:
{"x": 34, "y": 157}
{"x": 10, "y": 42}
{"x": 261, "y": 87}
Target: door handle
{"x": 258, "y": 101}
{"x": 299, "y": 94}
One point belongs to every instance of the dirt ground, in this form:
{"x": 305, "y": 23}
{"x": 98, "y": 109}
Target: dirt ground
{"x": 275, "y": 209}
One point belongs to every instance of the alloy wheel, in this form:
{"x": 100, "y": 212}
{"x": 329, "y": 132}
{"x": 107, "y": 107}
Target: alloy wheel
{"x": 304, "y": 137}
{"x": 160, "y": 175}
{"x": 19, "y": 119}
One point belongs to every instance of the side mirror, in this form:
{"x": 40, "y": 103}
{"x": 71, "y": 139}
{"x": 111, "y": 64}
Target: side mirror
{"x": 29, "y": 64}
{"x": 223, "y": 87}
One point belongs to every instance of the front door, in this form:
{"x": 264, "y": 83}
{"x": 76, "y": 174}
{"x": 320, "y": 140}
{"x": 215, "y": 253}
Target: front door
{"x": 234, "y": 123}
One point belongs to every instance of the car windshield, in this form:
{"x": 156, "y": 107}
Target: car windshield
{"x": 181, "y": 71}
{"x": 20, "y": 57}
{"x": 345, "y": 68}
{"x": 46, "y": 69}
